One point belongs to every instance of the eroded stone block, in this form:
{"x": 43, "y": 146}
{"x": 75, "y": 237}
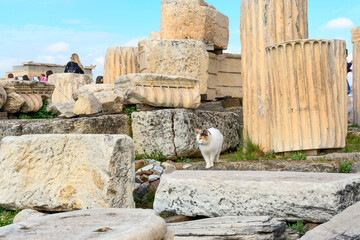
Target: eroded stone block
{"x": 66, "y": 85}
{"x": 185, "y": 58}
{"x": 314, "y": 197}
{"x": 115, "y": 223}
{"x": 172, "y": 131}
{"x": 68, "y": 172}
{"x": 196, "y": 20}
{"x": 159, "y": 90}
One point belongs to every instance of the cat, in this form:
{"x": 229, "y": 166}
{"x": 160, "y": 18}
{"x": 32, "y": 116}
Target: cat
{"x": 210, "y": 143}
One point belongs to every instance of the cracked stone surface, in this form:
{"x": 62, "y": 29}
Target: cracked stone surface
{"x": 124, "y": 224}
{"x": 66, "y": 172}
{"x": 314, "y": 197}
{"x": 172, "y": 131}
{"x": 105, "y": 124}
{"x": 236, "y": 227}
{"x": 345, "y": 225}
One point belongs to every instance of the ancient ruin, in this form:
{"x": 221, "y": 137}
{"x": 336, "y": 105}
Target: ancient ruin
{"x": 307, "y": 94}
{"x": 264, "y": 23}
{"x": 120, "y": 61}
{"x": 79, "y": 167}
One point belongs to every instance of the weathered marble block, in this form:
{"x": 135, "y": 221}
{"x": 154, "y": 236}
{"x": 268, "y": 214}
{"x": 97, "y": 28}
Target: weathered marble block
{"x": 236, "y": 227}
{"x": 93, "y": 88}
{"x": 314, "y": 197}
{"x": 3, "y": 96}
{"x": 106, "y": 124}
{"x": 66, "y": 85}
{"x": 196, "y": 20}
{"x": 172, "y": 131}
{"x": 87, "y": 104}
{"x": 44, "y": 89}
{"x": 120, "y": 61}
{"x": 114, "y": 223}
{"x": 158, "y": 90}
{"x": 67, "y": 172}
{"x": 345, "y": 225}
{"x": 264, "y": 23}
{"x": 308, "y": 100}
{"x": 186, "y": 58}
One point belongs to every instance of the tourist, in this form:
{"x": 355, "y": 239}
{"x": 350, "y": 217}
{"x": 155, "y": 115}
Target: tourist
{"x": 74, "y": 66}
{"x": 349, "y": 65}
{"x": 10, "y": 75}
{"x": 48, "y": 73}
{"x": 99, "y": 80}
{"x": 42, "y": 78}
{"x": 25, "y": 78}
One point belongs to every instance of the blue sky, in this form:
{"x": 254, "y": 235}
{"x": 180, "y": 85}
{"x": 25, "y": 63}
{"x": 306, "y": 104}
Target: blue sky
{"x": 51, "y": 30}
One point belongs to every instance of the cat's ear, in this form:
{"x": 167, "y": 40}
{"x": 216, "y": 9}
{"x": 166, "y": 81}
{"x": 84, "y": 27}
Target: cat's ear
{"x": 197, "y": 130}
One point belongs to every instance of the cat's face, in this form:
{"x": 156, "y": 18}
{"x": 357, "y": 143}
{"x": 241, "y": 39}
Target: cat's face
{"x": 202, "y": 136}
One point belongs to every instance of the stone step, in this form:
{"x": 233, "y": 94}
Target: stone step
{"x": 235, "y": 227}
{"x": 314, "y": 197}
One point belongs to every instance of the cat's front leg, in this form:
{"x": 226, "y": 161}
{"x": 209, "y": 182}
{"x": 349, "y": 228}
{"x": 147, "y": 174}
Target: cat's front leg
{"x": 207, "y": 160}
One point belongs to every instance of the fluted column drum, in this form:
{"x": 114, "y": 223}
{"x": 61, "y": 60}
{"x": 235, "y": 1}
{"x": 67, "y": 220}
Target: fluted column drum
{"x": 355, "y": 35}
{"x": 265, "y": 22}
{"x": 120, "y": 61}
{"x": 308, "y": 99}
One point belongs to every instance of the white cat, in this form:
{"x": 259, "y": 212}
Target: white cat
{"x": 210, "y": 143}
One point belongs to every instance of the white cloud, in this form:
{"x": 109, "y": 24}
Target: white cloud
{"x": 340, "y": 23}
{"x": 60, "y": 47}
{"x": 134, "y": 41}
{"x": 6, "y": 65}
{"x": 100, "y": 60}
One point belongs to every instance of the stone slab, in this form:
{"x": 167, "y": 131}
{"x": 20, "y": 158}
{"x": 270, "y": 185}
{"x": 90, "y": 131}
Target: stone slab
{"x": 223, "y": 228}
{"x": 106, "y": 124}
{"x": 345, "y": 225}
{"x": 68, "y": 172}
{"x": 314, "y": 197}
{"x": 124, "y": 224}
{"x": 172, "y": 131}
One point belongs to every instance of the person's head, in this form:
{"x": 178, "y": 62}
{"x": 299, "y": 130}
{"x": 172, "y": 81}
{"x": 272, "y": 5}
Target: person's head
{"x": 48, "y": 73}
{"x": 10, "y": 75}
{"x": 347, "y": 53}
{"x": 42, "y": 75}
{"x": 75, "y": 58}
{"x": 25, "y": 77}
{"x": 99, "y": 79}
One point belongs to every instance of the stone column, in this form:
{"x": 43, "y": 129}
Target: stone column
{"x": 265, "y": 22}
{"x": 120, "y": 61}
{"x": 307, "y": 98}
{"x": 355, "y": 38}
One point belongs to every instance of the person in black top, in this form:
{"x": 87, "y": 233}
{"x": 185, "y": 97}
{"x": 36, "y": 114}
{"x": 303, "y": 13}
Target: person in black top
{"x": 349, "y": 65}
{"x": 74, "y": 66}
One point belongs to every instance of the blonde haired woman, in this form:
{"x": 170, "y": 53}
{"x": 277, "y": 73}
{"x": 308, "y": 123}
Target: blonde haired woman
{"x": 74, "y": 66}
